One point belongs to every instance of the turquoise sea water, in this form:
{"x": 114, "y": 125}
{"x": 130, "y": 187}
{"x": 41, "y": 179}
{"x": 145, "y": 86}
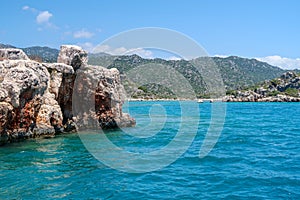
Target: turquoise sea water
{"x": 257, "y": 156}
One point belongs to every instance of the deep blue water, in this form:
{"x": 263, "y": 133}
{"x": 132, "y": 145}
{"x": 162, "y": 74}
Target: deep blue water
{"x": 257, "y": 155}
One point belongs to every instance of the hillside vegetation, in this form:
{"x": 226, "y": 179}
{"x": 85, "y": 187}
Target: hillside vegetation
{"x": 235, "y": 72}
{"x": 285, "y": 88}
{"x": 206, "y": 75}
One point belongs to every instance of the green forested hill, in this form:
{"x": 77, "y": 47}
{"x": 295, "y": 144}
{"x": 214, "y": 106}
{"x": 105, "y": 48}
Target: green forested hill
{"x": 45, "y": 53}
{"x": 236, "y": 72}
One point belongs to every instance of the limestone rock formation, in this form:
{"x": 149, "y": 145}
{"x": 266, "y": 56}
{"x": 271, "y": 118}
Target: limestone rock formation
{"x": 72, "y": 55}
{"x": 99, "y": 98}
{"x": 26, "y": 101}
{"x": 75, "y": 57}
{"x": 13, "y": 54}
{"x": 36, "y": 99}
{"x": 95, "y": 92}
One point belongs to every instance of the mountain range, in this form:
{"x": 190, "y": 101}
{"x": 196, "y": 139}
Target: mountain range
{"x": 43, "y": 54}
{"x": 236, "y": 72}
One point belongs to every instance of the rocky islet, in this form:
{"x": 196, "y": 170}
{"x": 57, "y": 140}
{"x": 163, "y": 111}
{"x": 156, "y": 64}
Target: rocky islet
{"x": 36, "y": 99}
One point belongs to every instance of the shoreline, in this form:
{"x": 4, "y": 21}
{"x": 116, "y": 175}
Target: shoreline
{"x": 165, "y": 99}
{"x": 264, "y": 100}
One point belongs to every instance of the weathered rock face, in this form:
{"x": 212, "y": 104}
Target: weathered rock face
{"x": 99, "y": 98}
{"x": 96, "y": 92}
{"x": 58, "y": 71}
{"x": 26, "y": 102}
{"x": 72, "y": 55}
{"x": 76, "y": 57}
{"x": 36, "y": 98}
{"x": 6, "y": 117}
{"x": 12, "y": 54}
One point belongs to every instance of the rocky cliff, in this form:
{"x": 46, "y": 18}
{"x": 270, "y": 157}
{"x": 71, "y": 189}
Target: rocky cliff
{"x": 36, "y": 99}
{"x": 286, "y": 88}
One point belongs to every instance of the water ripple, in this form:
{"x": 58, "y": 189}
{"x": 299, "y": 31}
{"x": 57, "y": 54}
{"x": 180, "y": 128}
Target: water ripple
{"x": 257, "y": 156}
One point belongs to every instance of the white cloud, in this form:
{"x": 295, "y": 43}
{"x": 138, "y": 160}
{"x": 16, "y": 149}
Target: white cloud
{"x": 29, "y": 9}
{"x": 141, "y": 52}
{"x": 221, "y": 56}
{"x": 43, "y": 17}
{"x": 83, "y": 34}
{"x": 282, "y": 62}
{"x": 123, "y": 51}
{"x": 25, "y": 8}
{"x": 87, "y": 46}
{"x": 174, "y": 58}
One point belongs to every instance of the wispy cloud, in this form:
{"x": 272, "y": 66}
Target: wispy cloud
{"x": 25, "y": 7}
{"x": 83, "y": 34}
{"x": 88, "y": 46}
{"x": 173, "y": 58}
{"x": 29, "y": 9}
{"x": 123, "y": 51}
{"x": 282, "y": 62}
{"x": 221, "y": 56}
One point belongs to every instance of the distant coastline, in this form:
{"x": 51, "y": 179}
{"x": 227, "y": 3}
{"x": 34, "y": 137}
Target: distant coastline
{"x": 224, "y": 99}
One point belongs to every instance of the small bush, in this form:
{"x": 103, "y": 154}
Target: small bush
{"x": 273, "y": 93}
{"x": 292, "y": 92}
{"x": 204, "y": 96}
{"x": 231, "y": 92}
{"x": 143, "y": 88}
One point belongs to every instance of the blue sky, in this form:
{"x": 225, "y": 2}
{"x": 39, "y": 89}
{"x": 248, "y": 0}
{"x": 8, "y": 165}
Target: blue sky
{"x": 264, "y": 29}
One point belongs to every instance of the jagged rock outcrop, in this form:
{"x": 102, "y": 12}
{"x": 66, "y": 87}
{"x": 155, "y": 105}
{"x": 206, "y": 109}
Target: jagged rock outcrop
{"x": 75, "y": 57}
{"x": 72, "y": 55}
{"x": 97, "y": 92}
{"x": 36, "y": 99}
{"x": 27, "y": 101}
{"x": 99, "y": 98}
{"x": 13, "y": 54}
{"x": 286, "y": 88}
